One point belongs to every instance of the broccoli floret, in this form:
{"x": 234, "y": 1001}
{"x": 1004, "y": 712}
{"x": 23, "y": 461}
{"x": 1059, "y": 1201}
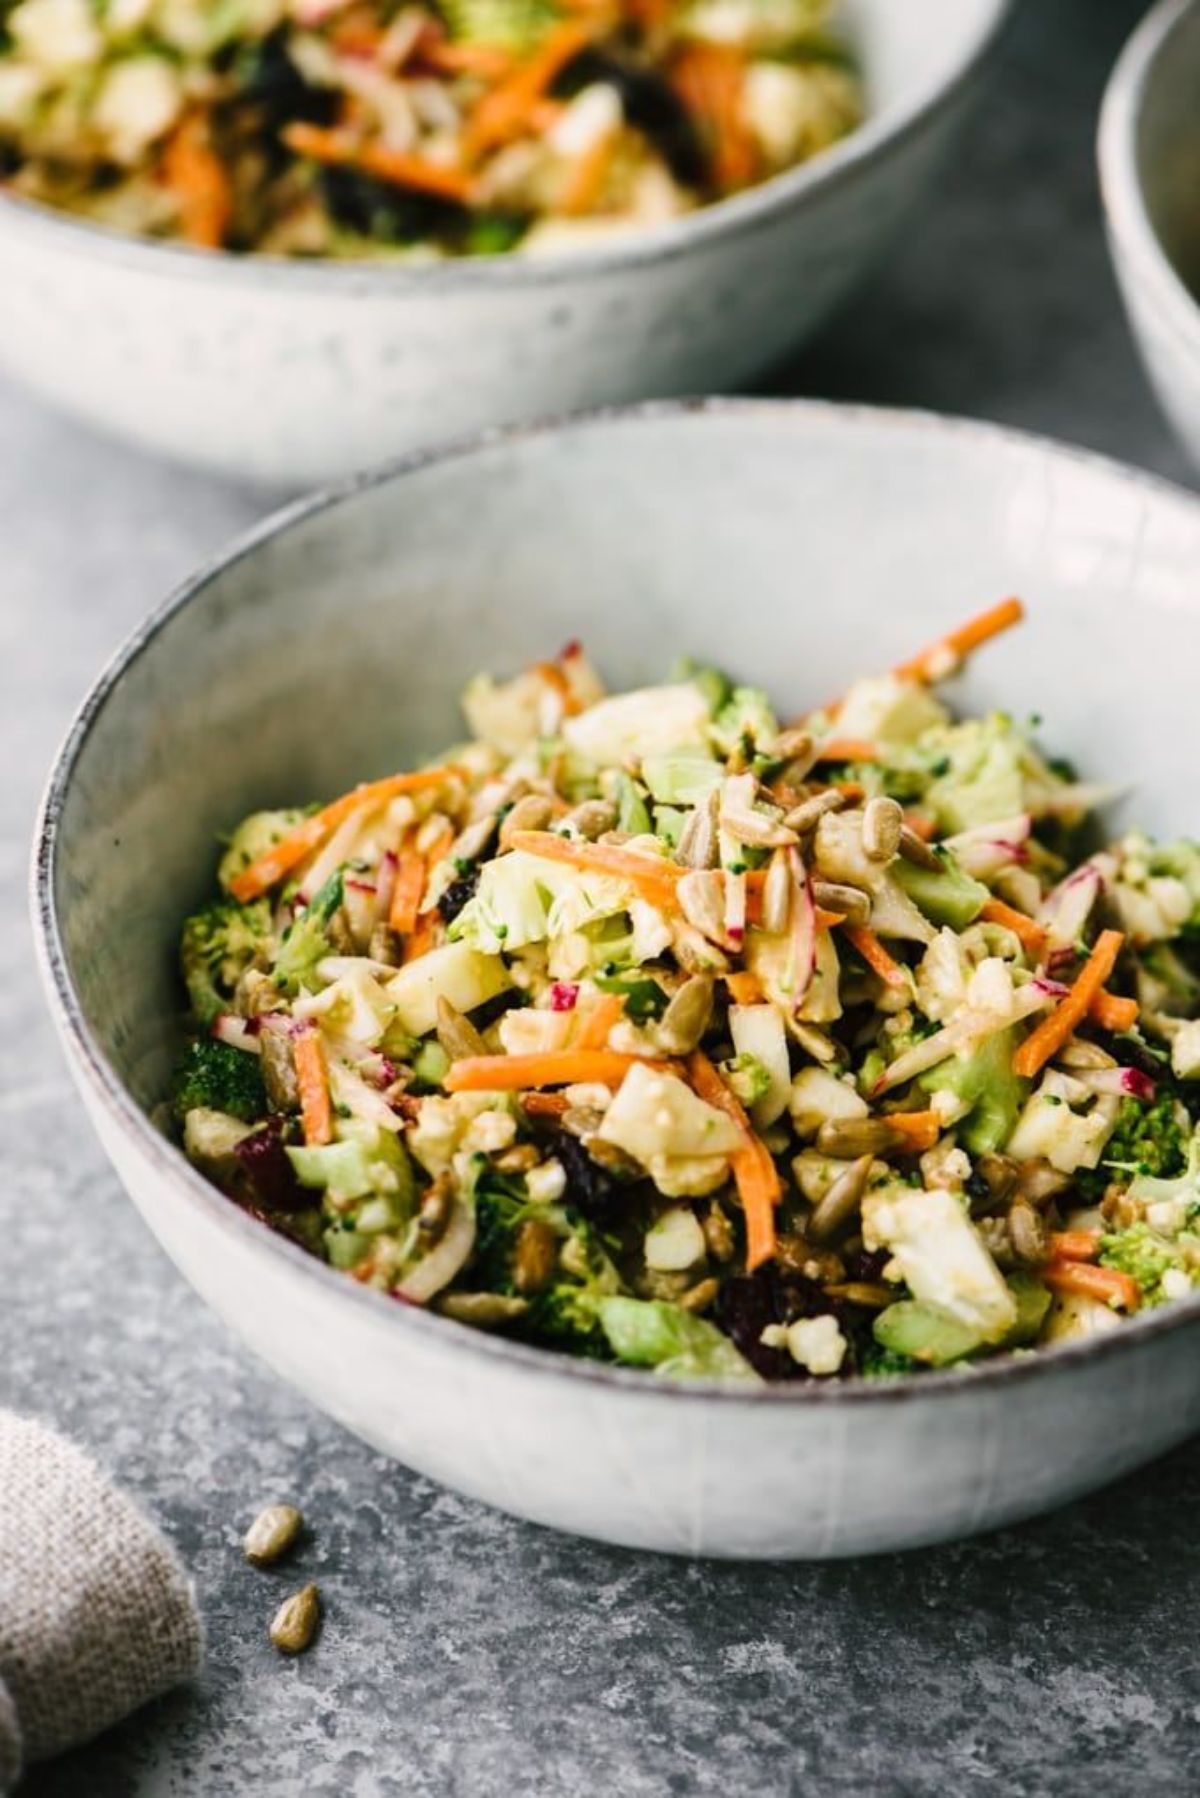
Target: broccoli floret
{"x": 644, "y": 998}
{"x": 213, "y": 1076}
{"x": 1149, "y": 1140}
{"x": 715, "y": 686}
{"x": 749, "y": 1078}
{"x": 746, "y": 717}
{"x": 879, "y": 1363}
{"x": 253, "y": 837}
{"x": 1147, "y": 1255}
{"x": 217, "y": 946}
{"x": 947, "y": 896}
{"x": 307, "y": 941}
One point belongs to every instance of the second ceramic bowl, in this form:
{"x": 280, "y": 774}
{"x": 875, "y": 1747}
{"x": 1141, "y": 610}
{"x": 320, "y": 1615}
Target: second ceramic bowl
{"x": 290, "y": 373}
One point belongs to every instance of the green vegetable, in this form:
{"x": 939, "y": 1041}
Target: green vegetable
{"x": 749, "y": 1078}
{"x": 493, "y": 233}
{"x": 626, "y": 795}
{"x": 515, "y": 24}
{"x": 946, "y": 897}
{"x": 254, "y": 836}
{"x": 213, "y": 1076}
{"x": 977, "y": 768}
{"x": 878, "y": 1363}
{"x": 644, "y": 999}
{"x": 715, "y": 686}
{"x": 668, "y": 824}
{"x": 682, "y": 776}
{"x": 984, "y": 1080}
{"x": 217, "y": 946}
{"x": 1033, "y": 1302}
{"x": 652, "y": 1333}
{"x": 1151, "y": 1141}
{"x": 430, "y": 1064}
{"x": 307, "y": 941}
{"x": 745, "y": 718}
{"x": 925, "y": 1333}
{"x": 1148, "y": 1255}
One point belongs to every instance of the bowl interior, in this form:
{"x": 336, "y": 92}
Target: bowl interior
{"x": 796, "y": 545}
{"x": 1167, "y": 146}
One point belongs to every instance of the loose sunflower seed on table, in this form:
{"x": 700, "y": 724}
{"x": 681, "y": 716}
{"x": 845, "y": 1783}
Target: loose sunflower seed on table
{"x": 295, "y": 1622}
{"x": 273, "y": 1532}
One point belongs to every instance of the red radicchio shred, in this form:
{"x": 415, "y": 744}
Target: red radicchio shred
{"x": 563, "y": 995}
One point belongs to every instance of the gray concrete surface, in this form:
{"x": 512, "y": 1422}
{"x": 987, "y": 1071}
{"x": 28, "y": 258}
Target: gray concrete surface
{"x": 464, "y": 1653}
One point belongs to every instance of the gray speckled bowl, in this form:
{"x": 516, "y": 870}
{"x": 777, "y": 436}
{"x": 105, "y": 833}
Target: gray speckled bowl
{"x": 1149, "y": 152}
{"x": 796, "y": 544}
{"x": 293, "y": 373}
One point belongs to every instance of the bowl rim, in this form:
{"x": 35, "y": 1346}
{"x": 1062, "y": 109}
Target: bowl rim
{"x": 1130, "y": 227}
{"x": 188, "y": 1187}
{"x": 733, "y": 218}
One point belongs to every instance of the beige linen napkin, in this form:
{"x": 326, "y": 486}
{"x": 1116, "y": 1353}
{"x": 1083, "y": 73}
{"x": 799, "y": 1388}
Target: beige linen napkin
{"x": 96, "y": 1612}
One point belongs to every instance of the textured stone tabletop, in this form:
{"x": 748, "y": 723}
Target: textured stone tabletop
{"x": 465, "y": 1653}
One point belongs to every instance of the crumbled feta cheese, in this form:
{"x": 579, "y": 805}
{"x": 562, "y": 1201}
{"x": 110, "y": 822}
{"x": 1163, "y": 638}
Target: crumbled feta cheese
{"x": 940, "y": 1255}
{"x": 1175, "y": 1284}
{"x": 594, "y": 114}
{"x": 56, "y": 34}
{"x": 490, "y": 1132}
{"x": 138, "y": 102}
{"x": 674, "y": 1242}
{"x": 816, "y": 1343}
{"x": 547, "y": 1182}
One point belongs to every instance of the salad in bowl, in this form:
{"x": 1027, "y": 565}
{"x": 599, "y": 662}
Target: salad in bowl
{"x": 650, "y": 1028}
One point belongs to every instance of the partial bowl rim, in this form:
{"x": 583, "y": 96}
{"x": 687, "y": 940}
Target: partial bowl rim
{"x": 1130, "y": 226}
{"x": 732, "y": 218}
{"x": 190, "y": 1188}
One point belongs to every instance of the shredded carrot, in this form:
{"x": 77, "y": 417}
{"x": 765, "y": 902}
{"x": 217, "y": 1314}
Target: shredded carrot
{"x": 423, "y": 938}
{"x": 922, "y": 1128}
{"x": 853, "y": 789}
{"x": 406, "y": 894}
{"x": 438, "y": 846}
{"x": 584, "y": 185}
{"x": 1108, "y": 1284}
{"x": 344, "y": 150}
{"x": 504, "y": 112}
{"x": 934, "y": 663}
{"x": 710, "y": 80}
{"x": 655, "y": 880}
{"x": 1053, "y": 1031}
{"x": 1112, "y": 1012}
{"x": 308, "y": 836}
{"x": 1075, "y": 1245}
{"x": 594, "y": 1029}
{"x": 848, "y": 749}
{"x": 875, "y": 955}
{"x": 744, "y": 988}
{"x": 488, "y": 61}
{"x": 316, "y": 1111}
{"x": 922, "y": 827}
{"x": 198, "y": 179}
{"x": 754, "y": 1173}
{"x": 1032, "y": 936}
{"x": 555, "y": 1067}
{"x": 554, "y": 677}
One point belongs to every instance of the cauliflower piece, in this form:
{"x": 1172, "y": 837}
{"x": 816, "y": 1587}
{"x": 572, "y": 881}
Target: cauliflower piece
{"x": 635, "y": 724}
{"x": 354, "y": 1005}
{"x": 674, "y": 1242}
{"x": 818, "y": 1096}
{"x": 656, "y": 1115}
{"x": 687, "y": 1176}
{"x": 437, "y": 1136}
{"x": 940, "y": 1256}
{"x": 1049, "y": 1128}
{"x": 138, "y": 102}
{"x": 888, "y": 709}
{"x": 59, "y": 35}
{"x": 1185, "y": 1051}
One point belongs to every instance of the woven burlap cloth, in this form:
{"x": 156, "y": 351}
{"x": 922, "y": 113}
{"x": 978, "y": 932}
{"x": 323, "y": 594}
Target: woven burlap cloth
{"x": 96, "y": 1612}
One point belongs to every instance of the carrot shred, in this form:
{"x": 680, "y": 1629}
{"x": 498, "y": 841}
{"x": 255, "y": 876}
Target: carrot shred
{"x": 593, "y": 1031}
{"x": 710, "y": 80}
{"x": 1108, "y": 1284}
{"x": 922, "y": 827}
{"x": 406, "y": 894}
{"x": 931, "y": 664}
{"x": 922, "y": 1128}
{"x": 654, "y": 880}
{"x": 1031, "y": 934}
{"x": 584, "y": 186}
{"x": 1053, "y": 1031}
{"x": 848, "y": 749}
{"x": 308, "y": 836}
{"x": 853, "y": 789}
{"x": 340, "y": 149}
{"x": 1112, "y": 1012}
{"x": 744, "y": 988}
{"x": 488, "y": 61}
{"x": 754, "y": 1173}
{"x": 555, "y": 1067}
{"x": 1075, "y": 1245}
{"x": 316, "y": 1111}
{"x": 554, "y": 677}
{"x": 423, "y": 938}
{"x": 198, "y": 179}
{"x": 877, "y": 958}
{"x": 504, "y": 112}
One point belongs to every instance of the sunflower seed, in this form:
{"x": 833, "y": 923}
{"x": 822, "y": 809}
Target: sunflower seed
{"x": 808, "y": 814}
{"x": 687, "y": 1016}
{"x": 698, "y": 838}
{"x": 871, "y": 1295}
{"x": 436, "y": 1206}
{"x": 797, "y": 750}
{"x": 718, "y": 1234}
{"x": 457, "y": 1035}
{"x": 883, "y": 820}
{"x": 271, "y": 1534}
{"x": 483, "y": 1309}
{"x": 843, "y": 1200}
{"x": 835, "y": 895}
{"x": 700, "y": 1296}
{"x": 1028, "y": 1234}
{"x": 592, "y": 818}
{"x": 702, "y": 899}
{"x": 916, "y": 850}
{"x": 295, "y": 1622}
{"x": 857, "y": 1136}
{"x": 777, "y": 894}
{"x": 533, "y": 812}
{"x": 756, "y": 829}
{"x": 535, "y": 1257}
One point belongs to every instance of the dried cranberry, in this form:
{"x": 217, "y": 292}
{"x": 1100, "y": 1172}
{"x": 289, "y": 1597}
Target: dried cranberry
{"x": 459, "y": 893}
{"x": 269, "y": 1176}
{"x": 593, "y": 1190}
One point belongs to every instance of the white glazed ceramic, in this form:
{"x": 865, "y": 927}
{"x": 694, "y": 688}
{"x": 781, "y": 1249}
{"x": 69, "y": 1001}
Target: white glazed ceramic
{"x": 1149, "y": 150}
{"x": 797, "y": 545}
{"x": 290, "y": 373}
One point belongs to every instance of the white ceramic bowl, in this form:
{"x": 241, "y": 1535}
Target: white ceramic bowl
{"x": 796, "y": 544}
{"x": 293, "y": 373}
{"x": 1149, "y": 151}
